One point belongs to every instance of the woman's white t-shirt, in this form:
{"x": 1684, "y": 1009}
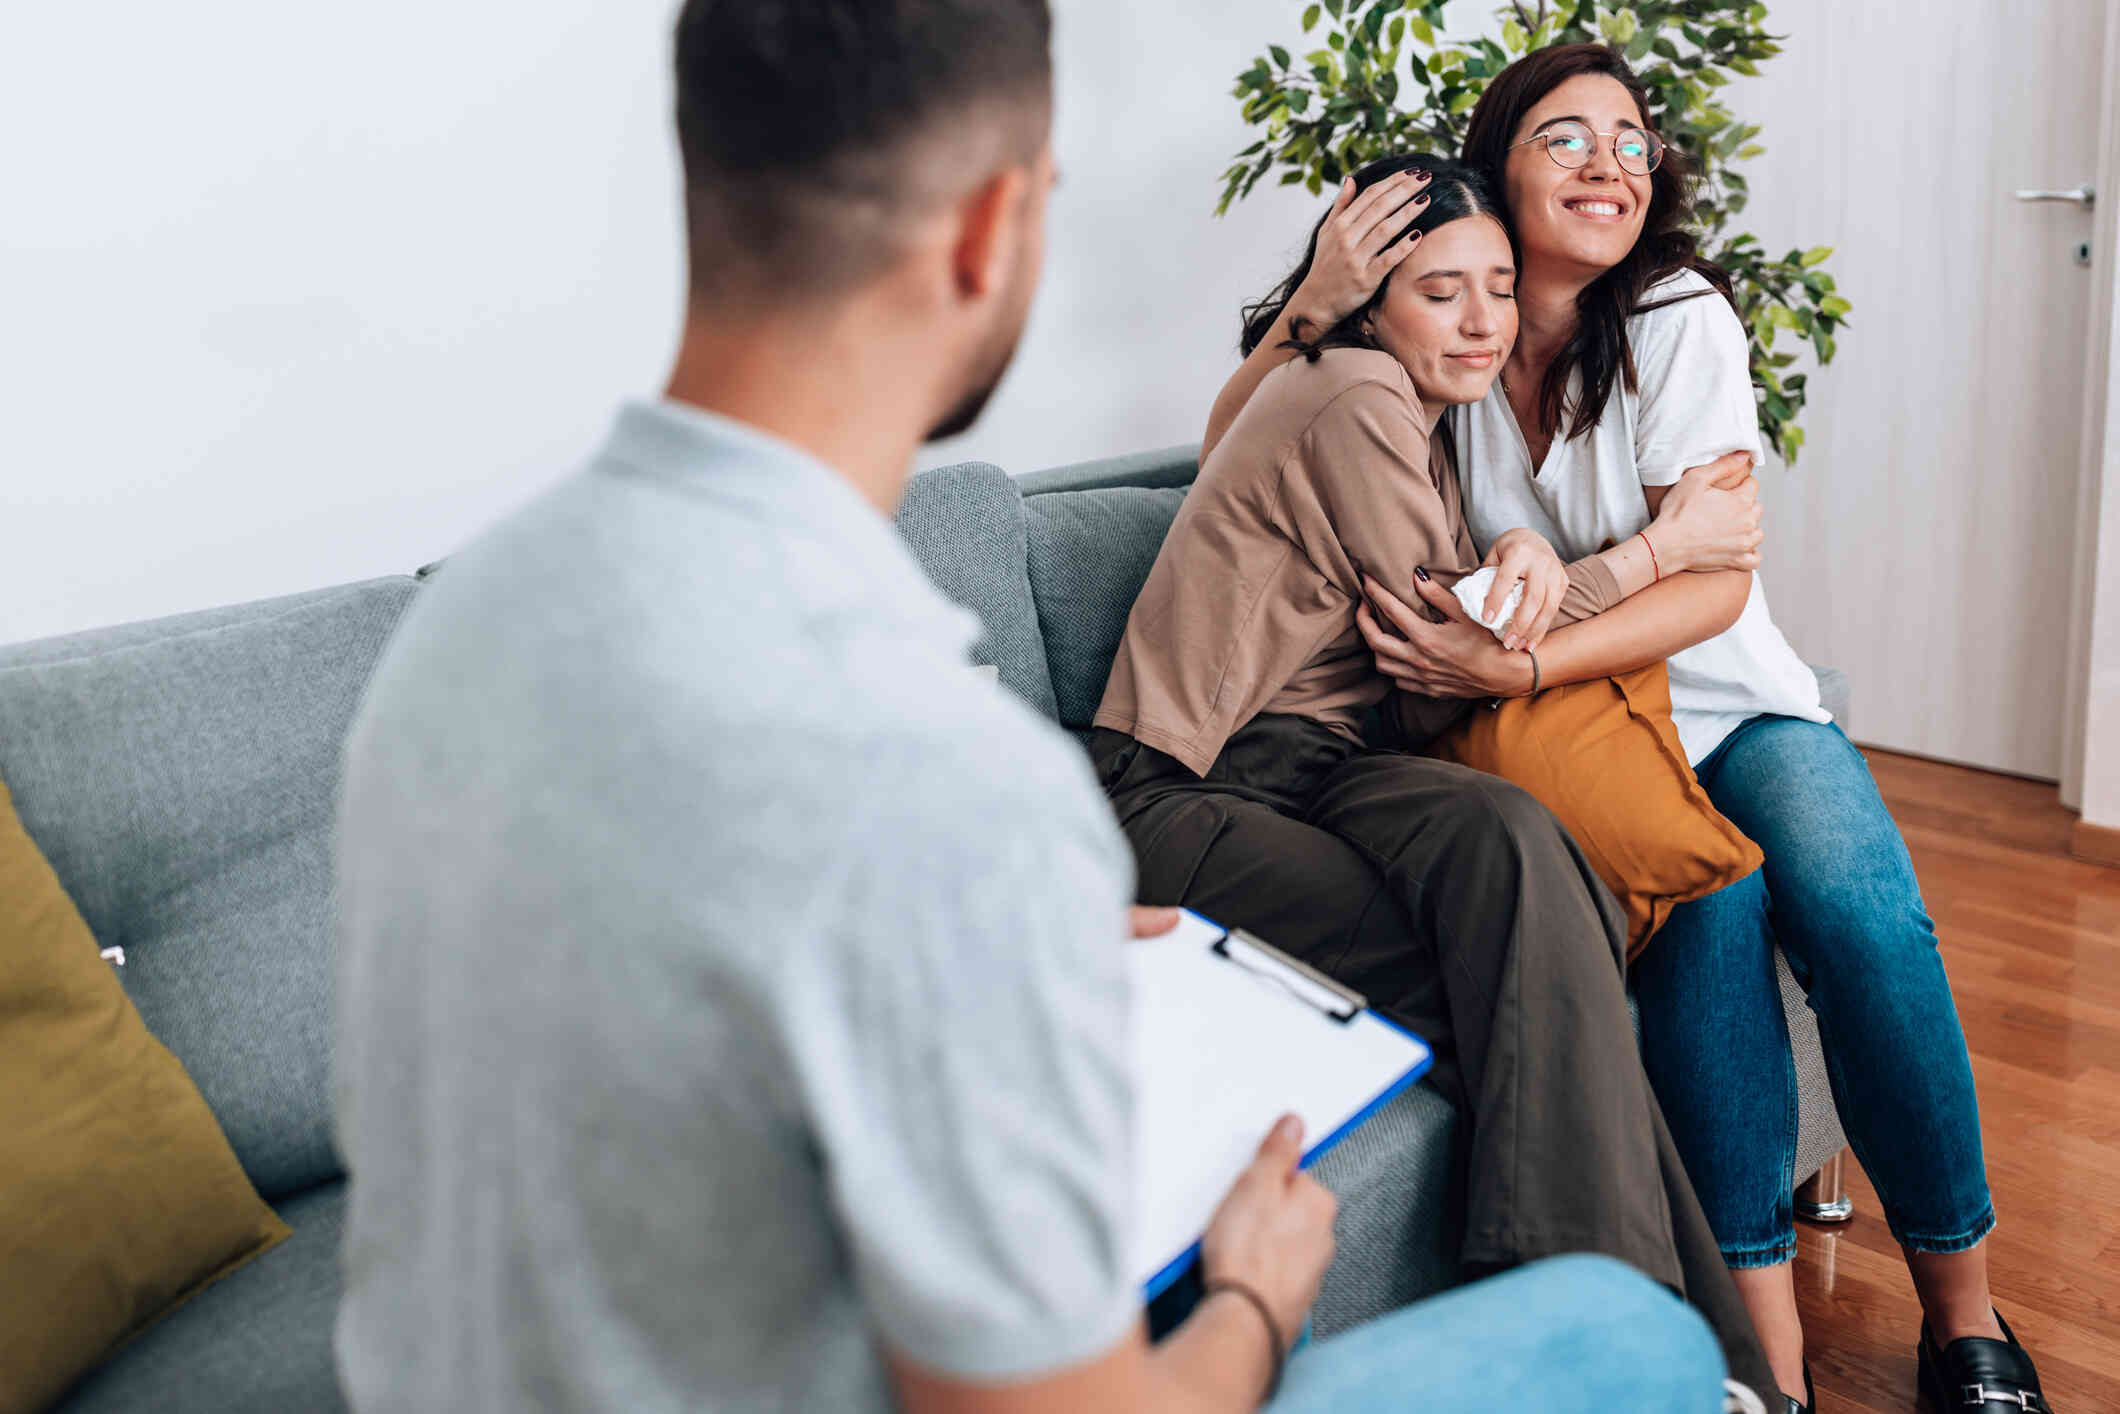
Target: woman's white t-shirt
{"x": 1694, "y": 404}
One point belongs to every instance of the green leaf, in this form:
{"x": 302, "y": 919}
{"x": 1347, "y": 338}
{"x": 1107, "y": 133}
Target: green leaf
{"x": 1835, "y": 306}
{"x": 1619, "y": 27}
{"x": 1310, "y": 17}
{"x": 1818, "y": 255}
{"x": 1513, "y": 35}
{"x": 1397, "y": 33}
{"x": 1280, "y": 55}
{"x": 1332, "y": 7}
{"x": 1422, "y": 30}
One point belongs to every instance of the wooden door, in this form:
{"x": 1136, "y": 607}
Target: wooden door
{"x": 1925, "y": 540}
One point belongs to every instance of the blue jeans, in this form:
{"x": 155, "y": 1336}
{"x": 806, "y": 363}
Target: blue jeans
{"x": 1566, "y": 1334}
{"x": 1838, "y": 895}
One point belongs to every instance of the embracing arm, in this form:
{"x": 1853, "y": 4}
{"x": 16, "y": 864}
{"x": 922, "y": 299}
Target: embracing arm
{"x": 1706, "y": 577}
{"x": 1680, "y": 609}
{"x": 1708, "y": 520}
{"x": 1663, "y": 619}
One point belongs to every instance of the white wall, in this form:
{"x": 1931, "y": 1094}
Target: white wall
{"x": 296, "y": 296}
{"x": 1136, "y": 326}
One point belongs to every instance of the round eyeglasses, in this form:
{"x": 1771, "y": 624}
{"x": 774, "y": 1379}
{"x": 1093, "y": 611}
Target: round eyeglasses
{"x": 1570, "y": 144}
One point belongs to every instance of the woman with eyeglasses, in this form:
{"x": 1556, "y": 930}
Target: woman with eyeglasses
{"x": 1630, "y": 367}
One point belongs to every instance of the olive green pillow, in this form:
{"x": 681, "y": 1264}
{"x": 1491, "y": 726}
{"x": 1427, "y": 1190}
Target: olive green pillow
{"x": 119, "y": 1195}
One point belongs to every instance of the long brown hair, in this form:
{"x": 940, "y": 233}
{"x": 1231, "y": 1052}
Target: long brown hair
{"x": 1666, "y": 245}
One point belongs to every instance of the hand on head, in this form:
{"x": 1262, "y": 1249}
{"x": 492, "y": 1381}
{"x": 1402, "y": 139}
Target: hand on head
{"x": 1356, "y": 248}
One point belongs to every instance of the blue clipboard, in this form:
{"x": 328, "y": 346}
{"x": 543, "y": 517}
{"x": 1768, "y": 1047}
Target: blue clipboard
{"x": 1332, "y": 1009}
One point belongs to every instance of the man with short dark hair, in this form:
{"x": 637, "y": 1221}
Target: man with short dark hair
{"x": 731, "y": 1003}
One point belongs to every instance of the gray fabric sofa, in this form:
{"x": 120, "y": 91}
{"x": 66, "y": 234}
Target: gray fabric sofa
{"x": 180, "y": 775}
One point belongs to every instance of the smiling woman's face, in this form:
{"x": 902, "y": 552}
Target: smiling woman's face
{"x": 1590, "y": 217}
{"x": 1449, "y": 314}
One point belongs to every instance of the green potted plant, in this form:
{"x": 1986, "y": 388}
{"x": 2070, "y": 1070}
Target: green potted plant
{"x": 1384, "y": 77}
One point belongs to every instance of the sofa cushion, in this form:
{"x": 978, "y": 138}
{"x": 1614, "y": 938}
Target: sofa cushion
{"x": 965, "y": 526}
{"x": 1834, "y": 694}
{"x": 182, "y": 785}
{"x": 119, "y": 1195}
{"x": 1164, "y": 466}
{"x": 1090, "y": 552}
{"x": 256, "y": 1343}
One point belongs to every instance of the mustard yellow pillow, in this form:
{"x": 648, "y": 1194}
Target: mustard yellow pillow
{"x": 1604, "y": 757}
{"x": 119, "y": 1195}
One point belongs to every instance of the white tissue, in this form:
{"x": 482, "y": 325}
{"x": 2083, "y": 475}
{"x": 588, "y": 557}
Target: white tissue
{"x": 1472, "y": 591}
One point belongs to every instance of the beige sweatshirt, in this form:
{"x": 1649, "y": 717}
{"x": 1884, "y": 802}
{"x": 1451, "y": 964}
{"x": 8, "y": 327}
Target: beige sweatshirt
{"x": 1250, "y": 606}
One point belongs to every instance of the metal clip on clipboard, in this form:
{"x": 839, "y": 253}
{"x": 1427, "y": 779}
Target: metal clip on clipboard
{"x": 1293, "y": 976}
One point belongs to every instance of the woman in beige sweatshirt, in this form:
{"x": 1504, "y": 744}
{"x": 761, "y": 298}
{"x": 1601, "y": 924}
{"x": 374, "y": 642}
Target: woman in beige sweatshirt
{"x": 1234, "y": 738}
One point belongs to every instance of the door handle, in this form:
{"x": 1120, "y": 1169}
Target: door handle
{"x": 2082, "y": 196}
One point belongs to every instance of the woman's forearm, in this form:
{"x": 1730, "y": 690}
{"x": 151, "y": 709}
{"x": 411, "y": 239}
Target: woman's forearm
{"x": 1631, "y": 565}
{"x": 1648, "y": 627}
{"x": 1263, "y": 360}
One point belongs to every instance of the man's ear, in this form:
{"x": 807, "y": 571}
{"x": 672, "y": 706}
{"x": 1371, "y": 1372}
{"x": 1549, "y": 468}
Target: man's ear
{"x": 986, "y": 242}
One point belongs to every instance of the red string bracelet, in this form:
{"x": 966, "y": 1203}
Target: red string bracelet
{"x": 1652, "y": 557}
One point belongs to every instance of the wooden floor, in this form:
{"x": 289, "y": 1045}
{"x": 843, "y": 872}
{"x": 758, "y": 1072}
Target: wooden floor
{"x": 2032, "y": 940}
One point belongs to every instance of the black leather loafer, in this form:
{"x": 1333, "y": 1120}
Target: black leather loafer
{"x": 1975, "y": 1375}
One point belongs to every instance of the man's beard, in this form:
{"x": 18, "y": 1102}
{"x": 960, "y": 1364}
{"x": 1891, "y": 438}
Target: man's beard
{"x": 966, "y": 412}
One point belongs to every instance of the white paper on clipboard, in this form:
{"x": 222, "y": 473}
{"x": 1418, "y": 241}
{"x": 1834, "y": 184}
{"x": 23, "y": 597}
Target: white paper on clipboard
{"x": 1223, "y": 1046}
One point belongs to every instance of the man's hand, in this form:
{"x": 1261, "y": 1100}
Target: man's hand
{"x": 1146, "y": 922}
{"x": 1273, "y": 1233}
{"x": 1526, "y": 556}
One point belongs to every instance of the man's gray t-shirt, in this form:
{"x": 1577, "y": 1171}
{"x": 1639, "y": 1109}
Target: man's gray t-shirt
{"x": 730, "y": 978}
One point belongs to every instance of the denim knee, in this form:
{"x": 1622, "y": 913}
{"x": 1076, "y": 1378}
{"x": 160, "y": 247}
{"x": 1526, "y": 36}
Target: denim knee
{"x": 1646, "y": 1334}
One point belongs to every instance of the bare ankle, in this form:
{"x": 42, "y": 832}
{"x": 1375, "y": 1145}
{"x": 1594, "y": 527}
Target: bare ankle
{"x": 1948, "y": 1326}
{"x": 1769, "y": 1295}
